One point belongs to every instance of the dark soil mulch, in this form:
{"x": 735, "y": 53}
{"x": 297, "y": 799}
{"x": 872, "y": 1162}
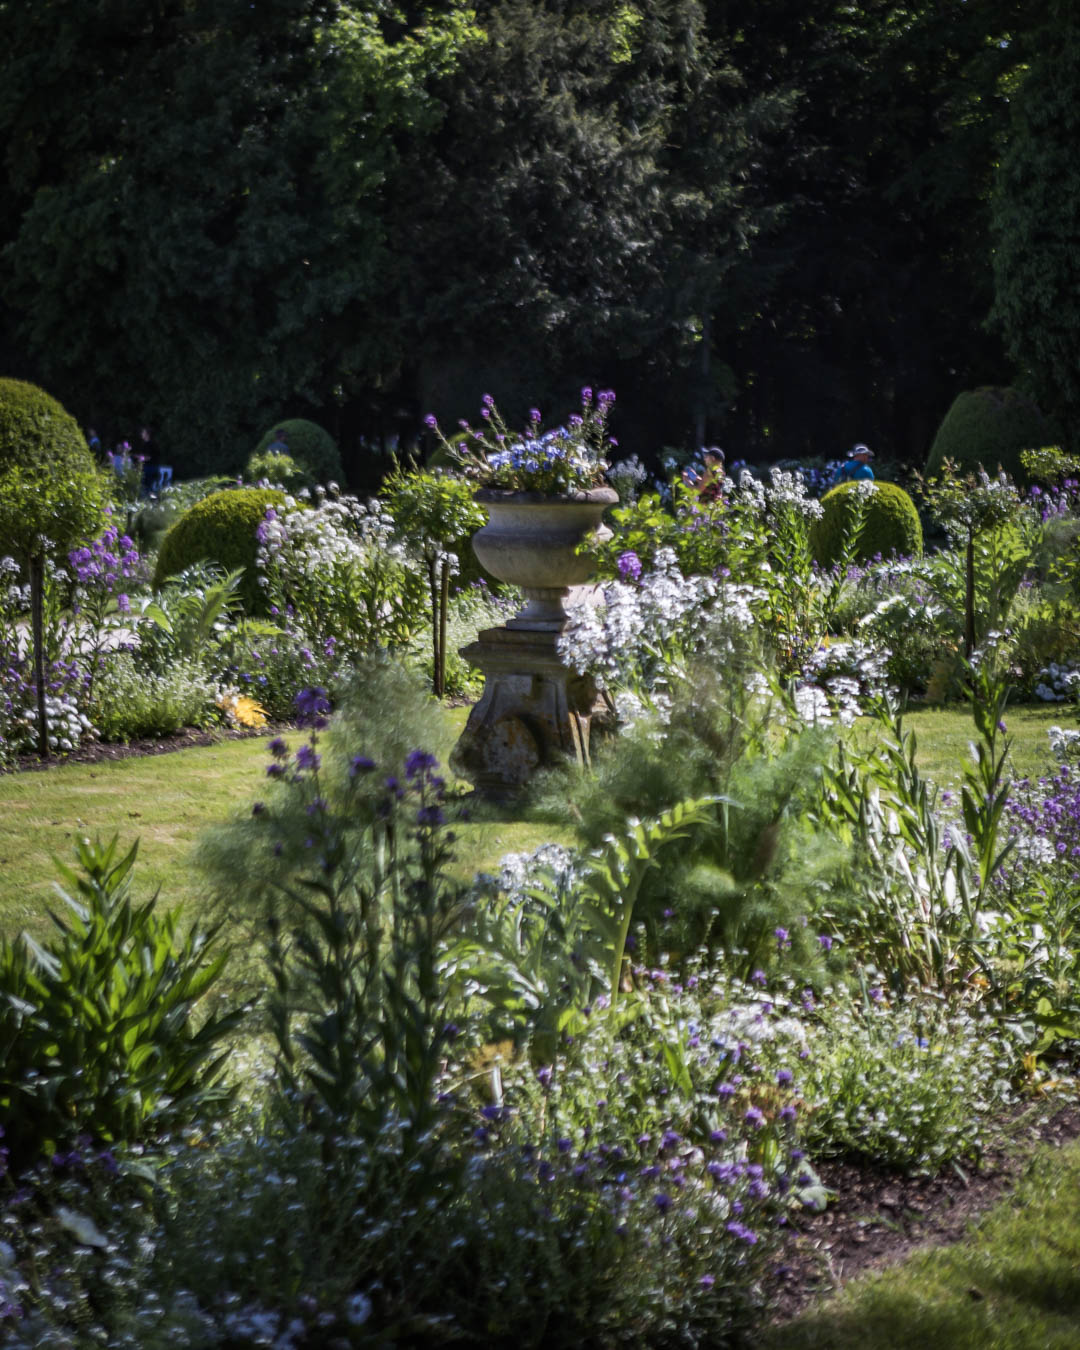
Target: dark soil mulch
{"x": 96, "y": 752}
{"x": 880, "y": 1217}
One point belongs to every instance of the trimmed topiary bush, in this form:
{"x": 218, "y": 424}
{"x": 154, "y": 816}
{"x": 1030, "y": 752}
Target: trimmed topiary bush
{"x": 52, "y": 496}
{"x": 892, "y": 524}
{"x": 312, "y": 448}
{"x": 989, "y": 427}
{"x": 220, "y": 529}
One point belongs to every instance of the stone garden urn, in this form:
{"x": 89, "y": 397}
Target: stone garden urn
{"x": 533, "y": 708}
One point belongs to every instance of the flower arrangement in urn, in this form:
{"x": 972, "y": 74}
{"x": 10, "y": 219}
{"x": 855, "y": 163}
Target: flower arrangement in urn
{"x": 563, "y": 461}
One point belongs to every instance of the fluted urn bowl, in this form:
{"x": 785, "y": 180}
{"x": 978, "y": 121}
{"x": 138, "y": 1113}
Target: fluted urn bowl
{"x": 531, "y": 540}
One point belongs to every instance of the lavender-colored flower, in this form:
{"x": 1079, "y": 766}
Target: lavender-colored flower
{"x": 360, "y": 764}
{"x": 312, "y": 706}
{"x": 629, "y": 565}
{"x": 418, "y": 762}
{"x": 278, "y": 748}
{"x": 306, "y": 758}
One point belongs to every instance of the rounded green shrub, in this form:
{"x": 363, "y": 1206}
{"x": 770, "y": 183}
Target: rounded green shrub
{"x": 891, "y": 525}
{"x": 220, "y": 529}
{"x": 989, "y": 427}
{"x": 312, "y": 448}
{"x": 50, "y": 484}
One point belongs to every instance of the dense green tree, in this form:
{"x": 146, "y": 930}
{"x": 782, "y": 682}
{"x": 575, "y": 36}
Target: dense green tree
{"x": 861, "y": 317}
{"x": 197, "y": 186}
{"x": 1037, "y": 221}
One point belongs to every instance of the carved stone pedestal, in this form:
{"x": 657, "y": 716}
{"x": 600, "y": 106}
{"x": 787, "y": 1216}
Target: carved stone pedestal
{"x": 532, "y": 711}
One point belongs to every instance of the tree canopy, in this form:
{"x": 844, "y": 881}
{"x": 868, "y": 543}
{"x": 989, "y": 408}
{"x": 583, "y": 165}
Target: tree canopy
{"x": 765, "y": 222}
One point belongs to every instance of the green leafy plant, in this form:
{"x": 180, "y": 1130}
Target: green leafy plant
{"x": 98, "y": 1027}
{"x": 277, "y": 469}
{"x": 435, "y": 514}
{"x": 971, "y": 507}
{"x": 131, "y": 701}
{"x": 915, "y": 1085}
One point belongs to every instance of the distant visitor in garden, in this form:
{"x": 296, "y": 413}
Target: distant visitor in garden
{"x": 856, "y": 467}
{"x": 709, "y": 482}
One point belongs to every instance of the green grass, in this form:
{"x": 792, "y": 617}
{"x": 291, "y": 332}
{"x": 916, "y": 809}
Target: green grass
{"x": 167, "y": 801}
{"x": 1012, "y": 1284}
{"x": 944, "y": 735}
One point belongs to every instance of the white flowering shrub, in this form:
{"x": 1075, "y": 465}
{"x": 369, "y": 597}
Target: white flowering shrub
{"x": 915, "y": 1085}
{"x": 839, "y": 681}
{"x": 68, "y": 726}
{"x": 641, "y": 633}
{"x": 339, "y": 571}
{"x": 132, "y": 702}
{"x": 1058, "y": 683}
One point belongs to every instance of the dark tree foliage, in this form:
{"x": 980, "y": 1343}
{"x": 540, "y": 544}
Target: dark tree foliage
{"x": 195, "y": 190}
{"x": 1037, "y": 222}
{"x": 762, "y": 221}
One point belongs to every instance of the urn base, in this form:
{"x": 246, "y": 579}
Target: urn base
{"x": 533, "y": 711}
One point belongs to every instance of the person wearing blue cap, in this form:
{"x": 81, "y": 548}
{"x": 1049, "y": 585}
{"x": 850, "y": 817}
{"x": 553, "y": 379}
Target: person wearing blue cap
{"x": 856, "y": 466}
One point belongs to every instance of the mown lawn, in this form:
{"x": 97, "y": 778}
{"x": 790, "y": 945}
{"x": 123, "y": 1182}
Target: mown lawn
{"x": 1013, "y": 1284}
{"x": 167, "y": 801}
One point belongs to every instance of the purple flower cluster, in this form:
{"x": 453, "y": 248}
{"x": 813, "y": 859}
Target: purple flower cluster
{"x": 107, "y": 563}
{"x": 1047, "y": 813}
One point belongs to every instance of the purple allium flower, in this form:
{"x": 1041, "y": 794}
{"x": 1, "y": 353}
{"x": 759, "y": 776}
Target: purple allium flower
{"x": 418, "y": 762}
{"x": 312, "y": 705}
{"x": 306, "y": 758}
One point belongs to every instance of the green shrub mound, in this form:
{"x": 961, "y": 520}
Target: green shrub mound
{"x": 891, "y": 525}
{"x": 50, "y": 484}
{"x": 310, "y": 447}
{"x": 220, "y": 529}
{"x": 35, "y": 429}
{"x": 989, "y": 427}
